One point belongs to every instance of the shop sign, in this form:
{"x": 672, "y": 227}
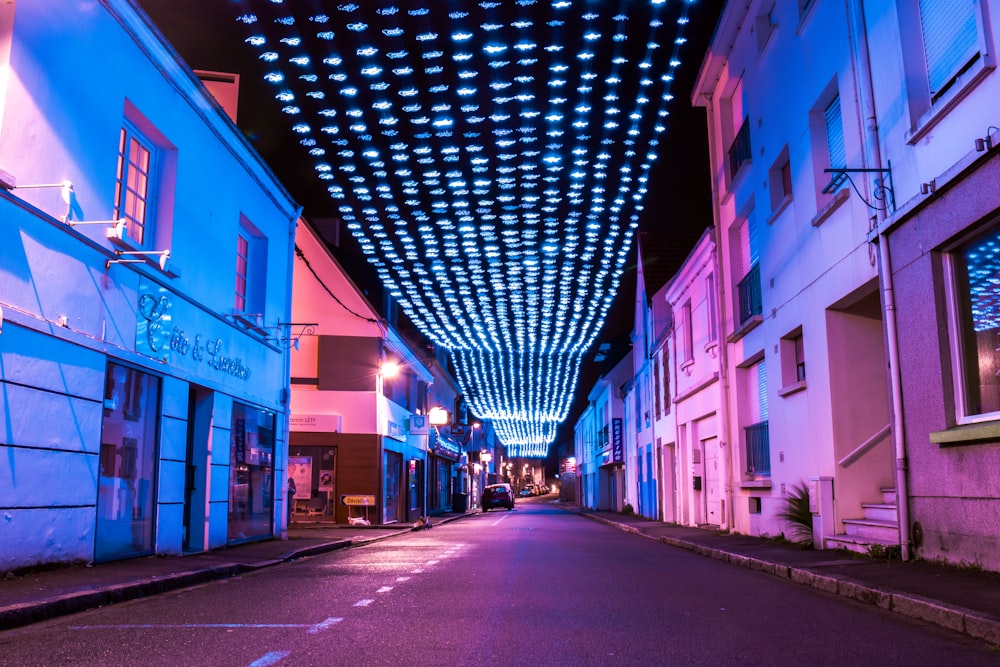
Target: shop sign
{"x": 617, "y": 447}
{"x": 158, "y": 335}
{"x": 319, "y": 423}
{"x": 418, "y": 425}
{"x": 358, "y": 501}
{"x": 396, "y": 431}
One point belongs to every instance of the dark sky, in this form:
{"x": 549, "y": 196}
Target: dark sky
{"x": 677, "y": 208}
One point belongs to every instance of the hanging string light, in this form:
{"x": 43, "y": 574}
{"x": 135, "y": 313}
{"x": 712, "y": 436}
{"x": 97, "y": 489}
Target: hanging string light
{"x": 491, "y": 159}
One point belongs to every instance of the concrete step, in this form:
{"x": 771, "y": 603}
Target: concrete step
{"x": 858, "y": 544}
{"x": 888, "y": 495}
{"x": 881, "y": 511}
{"x": 872, "y": 528}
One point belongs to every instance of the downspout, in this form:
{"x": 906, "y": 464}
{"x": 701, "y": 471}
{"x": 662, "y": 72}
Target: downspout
{"x": 872, "y": 156}
{"x": 728, "y": 493}
{"x": 286, "y": 391}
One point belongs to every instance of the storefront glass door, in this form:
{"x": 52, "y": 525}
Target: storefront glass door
{"x": 127, "y": 464}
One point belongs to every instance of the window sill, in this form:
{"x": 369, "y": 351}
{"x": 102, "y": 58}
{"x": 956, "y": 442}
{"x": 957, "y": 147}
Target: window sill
{"x": 792, "y": 389}
{"x": 950, "y": 99}
{"x": 839, "y": 197}
{"x": 745, "y": 328}
{"x": 755, "y": 484}
{"x": 967, "y": 434}
{"x": 782, "y": 205}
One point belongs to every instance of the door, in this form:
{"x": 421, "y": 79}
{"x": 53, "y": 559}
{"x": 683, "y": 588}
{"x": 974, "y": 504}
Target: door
{"x": 713, "y": 491}
{"x": 196, "y": 469}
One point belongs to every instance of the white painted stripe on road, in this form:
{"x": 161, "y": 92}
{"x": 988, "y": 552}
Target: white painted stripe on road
{"x": 402, "y": 579}
{"x": 432, "y": 562}
{"x": 174, "y": 626}
{"x": 272, "y": 658}
{"x": 323, "y": 625}
{"x": 417, "y": 571}
{"x": 363, "y": 603}
{"x": 384, "y": 589}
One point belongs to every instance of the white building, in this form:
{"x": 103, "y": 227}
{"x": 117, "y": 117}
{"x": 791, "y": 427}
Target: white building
{"x": 854, "y": 180}
{"x": 700, "y": 457}
{"x": 144, "y": 407}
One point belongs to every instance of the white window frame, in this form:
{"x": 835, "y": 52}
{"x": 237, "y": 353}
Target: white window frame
{"x": 963, "y": 414}
{"x": 140, "y": 228}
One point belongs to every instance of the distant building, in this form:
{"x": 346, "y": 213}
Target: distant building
{"x": 145, "y": 261}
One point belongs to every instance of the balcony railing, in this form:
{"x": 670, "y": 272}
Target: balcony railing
{"x": 758, "y": 449}
{"x": 739, "y": 150}
{"x": 748, "y": 291}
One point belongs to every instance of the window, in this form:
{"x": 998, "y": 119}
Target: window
{"x": 656, "y": 386}
{"x": 687, "y": 335}
{"x": 944, "y": 50}
{"x": 133, "y": 185}
{"x": 251, "y": 473}
{"x": 748, "y": 291}
{"x": 251, "y": 270}
{"x": 713, "y": 315}
{"x": 976, "y": 325}
{"x": 755, "y": 430}
{"x": 793, "y": 362}
{"x": 739, "y": 150}
{"x": 836, "y": 153}
{"x": 665, "y": 361}
{"x": 780, "y": 181}
{"x": 766, "y": 23}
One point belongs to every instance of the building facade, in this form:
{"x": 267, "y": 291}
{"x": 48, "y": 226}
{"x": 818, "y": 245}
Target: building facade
{"x": 145, "y": 264}
{"x": 854, "y": 221}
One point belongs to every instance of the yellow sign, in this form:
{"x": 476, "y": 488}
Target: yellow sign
{"x": 357, "y": 501}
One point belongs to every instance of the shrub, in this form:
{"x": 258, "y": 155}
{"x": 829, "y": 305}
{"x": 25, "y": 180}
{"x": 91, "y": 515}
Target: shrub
{"x": 797, "y": 513}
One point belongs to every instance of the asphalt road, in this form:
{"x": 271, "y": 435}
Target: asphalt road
{"x": 536, "y": 586}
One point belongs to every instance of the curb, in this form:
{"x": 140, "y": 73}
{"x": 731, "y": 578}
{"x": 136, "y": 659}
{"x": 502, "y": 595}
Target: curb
{"x": 957, "y": 619}
{"x": 26, "y": 613}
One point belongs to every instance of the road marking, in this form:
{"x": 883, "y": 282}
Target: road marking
{"x": 363, "y": 603}
{"x": 333, "y": 620}
{"x": 174, "y": 626}
{"x": 432, "y": 562}
{"x": 384, "y": 589}
{"x": 401, "y": 579}
{"x": 271, "y": 658}
{"x": 417, "y": 571}
{"x": 500, "y": 519}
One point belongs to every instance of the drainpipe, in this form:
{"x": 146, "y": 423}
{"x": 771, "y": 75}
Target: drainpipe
{"x": 724, "y": 430}
{"x": 872, "y": 156}
{"x": 286, "y": 369}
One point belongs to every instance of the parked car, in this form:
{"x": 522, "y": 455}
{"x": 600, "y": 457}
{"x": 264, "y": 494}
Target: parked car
{"x": 525, "y": 492}
{"x": 498, "y": 495}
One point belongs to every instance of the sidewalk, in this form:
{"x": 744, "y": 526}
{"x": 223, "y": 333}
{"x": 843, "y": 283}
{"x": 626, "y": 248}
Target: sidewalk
{"x": 961, "y": 599}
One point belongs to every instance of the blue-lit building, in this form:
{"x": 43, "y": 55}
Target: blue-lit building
{"x": 145, "y": 263}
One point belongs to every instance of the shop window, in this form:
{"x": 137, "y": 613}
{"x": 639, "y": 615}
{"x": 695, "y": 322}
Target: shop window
{"x": 251, "y": 473}
{"x": 976, "y": 326}
{"x": 126, "y": 474}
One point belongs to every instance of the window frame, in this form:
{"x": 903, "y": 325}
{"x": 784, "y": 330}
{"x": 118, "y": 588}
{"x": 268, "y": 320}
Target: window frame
{"x": 124, "y": 173}
{"x": 957, "y": 304}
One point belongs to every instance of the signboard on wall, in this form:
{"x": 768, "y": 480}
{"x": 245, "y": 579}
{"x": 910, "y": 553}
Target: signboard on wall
{"x": 300, "y": 470}
{"x": 617, "y": 446}
{"x": 418, "y": 425}
{"x": 319, "y": 423}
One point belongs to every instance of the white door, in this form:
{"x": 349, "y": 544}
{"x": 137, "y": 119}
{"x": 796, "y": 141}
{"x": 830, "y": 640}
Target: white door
{"x": 713, "y": 491}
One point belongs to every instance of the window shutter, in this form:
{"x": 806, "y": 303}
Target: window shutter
{"x": 835, "y": 135}
{"x": 757, "y": 393}
{"x": 749, "y": 245}
{"x": 950, "y": 39}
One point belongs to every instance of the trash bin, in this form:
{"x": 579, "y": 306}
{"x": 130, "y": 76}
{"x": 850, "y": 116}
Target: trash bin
{"x": 459, "y": 502}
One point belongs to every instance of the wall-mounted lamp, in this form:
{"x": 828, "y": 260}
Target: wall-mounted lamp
{"x": 390, "y": 369}
{"x": 163, "y": 261}
{"x": 438, "y": 416}
{"x": 986, "y": 143}
{"x": 66, "y": 187}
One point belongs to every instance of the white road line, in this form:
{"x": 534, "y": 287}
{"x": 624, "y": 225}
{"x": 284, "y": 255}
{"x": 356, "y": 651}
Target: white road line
{"x": 272, "y": 658}
{"x": 431, "y": 562}
{"x": 174, "y": 626}
{"x": 401, "y": 579}
{"x": 363, "y": 603}
{"x": 330, "y": 622}
{"x": 417, "y": 571}
{"x": 384, "y": 589}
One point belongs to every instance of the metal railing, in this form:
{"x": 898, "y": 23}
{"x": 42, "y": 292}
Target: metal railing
{"x": 758, "y": 449}
{"x": 748, "y": 291}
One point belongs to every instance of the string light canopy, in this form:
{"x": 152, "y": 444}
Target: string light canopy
{"x": 491, "y": 158}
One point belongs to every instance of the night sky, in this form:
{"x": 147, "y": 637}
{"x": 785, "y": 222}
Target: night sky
{"x": 677, "y": 207}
